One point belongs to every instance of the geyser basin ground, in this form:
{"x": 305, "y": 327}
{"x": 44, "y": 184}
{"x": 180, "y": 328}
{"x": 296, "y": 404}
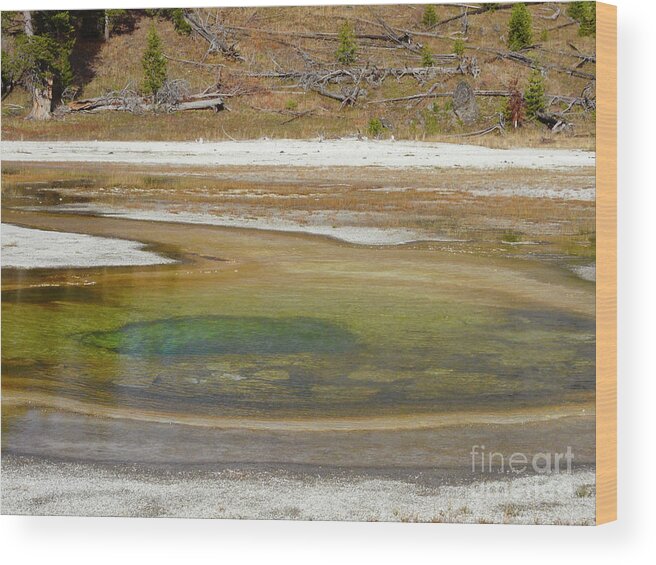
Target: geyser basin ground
{"x": 272, "y": 351}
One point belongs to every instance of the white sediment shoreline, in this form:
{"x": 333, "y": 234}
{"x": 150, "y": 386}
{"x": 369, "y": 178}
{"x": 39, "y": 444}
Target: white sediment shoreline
{"x": 586, "y": 272}
{"x": 587, "y": 194}
{"x": 54, "y": 488}
{"x": 361, "y": 235}
{"x": 297, "y": 153}
{"x": 26, "y": 248}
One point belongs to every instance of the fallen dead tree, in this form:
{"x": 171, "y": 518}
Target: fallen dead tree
{"x": 124, "y": 100}
{"x": 395, "y": 37}
{"x": 372, "y": 75}
{"x": 551, "y": 99}
{"x": 433, "y": 94}
{"x": 173, "y": 97}
{"x": 522, "y": 59}
{"x": 347, "y": 96}
{"x": 142, "y": 105}
{"x": 214, "y": 103}
{"x": 571, "y": 101}
{"x": 402, "y": 31}
{"x": 324, "y": 36}
{"x": 403, "y": 40}
{"x": 291, "y": 115}
{"x": 553, "y": 16}
{"x": 575, "y": 53}
{"x": 474, "y": 11}
{"x": 351, "y": 80}
{"x": 214, "y": 32}
{"x": 499, "y": 126}
{"x": 555, "y": 122}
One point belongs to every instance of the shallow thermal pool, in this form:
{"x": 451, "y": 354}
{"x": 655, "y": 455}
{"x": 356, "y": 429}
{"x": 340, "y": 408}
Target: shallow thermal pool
{"x": 252, "y": 347}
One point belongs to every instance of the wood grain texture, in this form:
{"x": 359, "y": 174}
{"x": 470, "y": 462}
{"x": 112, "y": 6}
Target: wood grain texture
{"x": 606, "y": 422}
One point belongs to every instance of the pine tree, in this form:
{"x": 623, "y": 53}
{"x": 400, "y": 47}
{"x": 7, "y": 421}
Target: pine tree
{"x": 534, "y": 95}
{"x": 41, "y": 58}
{"x": 180, "y": 24}
{"x": 348, "y": 49}
{"x": 426, "y": 57}
{"x": 459, "y": 47}
{"x": 520, "y": 34}
{"x": 154, "y": 63}
{"x": 429, "y": 19}
{"x": 586, "y": 14}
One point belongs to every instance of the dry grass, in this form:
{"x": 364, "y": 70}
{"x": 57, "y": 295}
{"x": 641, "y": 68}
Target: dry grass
{"x": 262, "y": 112}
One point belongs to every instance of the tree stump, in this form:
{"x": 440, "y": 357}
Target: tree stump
{"x": 464, "y": 103}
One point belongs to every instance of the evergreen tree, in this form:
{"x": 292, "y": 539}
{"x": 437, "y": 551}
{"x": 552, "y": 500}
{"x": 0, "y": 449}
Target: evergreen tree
{"x": 426, "y": 57}
{"x": 179, "y": 23}
{"x": 520, "y": 34}
{"x": 586, "y": 14}
{"x": 534, "y": 95}
{"x": 429, "y": 19}
{"x": 154, "y": 63}
{"x": 348, "y": 49}
{"x": 175, "y": 15}
{"x": 459, "y": 47}
{"x": 41, "y": 58}
{"x": 375, "y": 128}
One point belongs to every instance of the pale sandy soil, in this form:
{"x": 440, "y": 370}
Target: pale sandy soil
{"x": 26, "y": 248}
{"x": 308, "y": 153}
{"x": 47, "y": 488}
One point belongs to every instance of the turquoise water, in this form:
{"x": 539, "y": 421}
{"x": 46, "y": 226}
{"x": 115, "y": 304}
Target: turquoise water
{"x": 224, "y": 335}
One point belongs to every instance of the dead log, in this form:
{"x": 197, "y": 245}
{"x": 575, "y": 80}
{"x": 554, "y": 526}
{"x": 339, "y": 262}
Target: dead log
{"x": 553, "y": 16}
{"x": 474, "y": 12}
{"x": 555, "y": 122}
{"x": 562, "y": 26}
{"x": 309, "y": 79}
{"x": 128, "y": 101}
{"x": 403, "y": 40}
{"x": 585, "y": 58}
{"x": 399, "y": 30}
{"x": 347, "y": 97}
{"x": 520, "y": 58}
{"x": 214, "y": 33}
{"x": 583, "y": 101}
{"x": 499, "y": 126}
{"x": 571, "y": 101}
{"x": 432, "y": 94}
{"x": 216, "y": 104}
{"x": 317, "y": 80}
{"x": 325, "y": 36}
{"x": 398, "y": 38}
{"x": 297, "y": 115}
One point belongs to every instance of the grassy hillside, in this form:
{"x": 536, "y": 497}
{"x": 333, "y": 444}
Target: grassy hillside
{"x": 272, "y": 39}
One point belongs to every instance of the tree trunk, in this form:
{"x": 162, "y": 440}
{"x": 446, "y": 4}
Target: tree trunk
{"x": 41, "y": 93}
{"x": 106, "y": 26}
{"x": 41, "y": 101}
{"x": 27, "y": 18}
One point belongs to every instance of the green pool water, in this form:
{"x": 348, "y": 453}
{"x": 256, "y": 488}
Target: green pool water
{"x": 224, "y": 335}
{"x": 255, "y": 347}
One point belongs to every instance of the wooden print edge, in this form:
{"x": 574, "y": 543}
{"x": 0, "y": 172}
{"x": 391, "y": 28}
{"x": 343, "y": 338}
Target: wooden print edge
{"x": 606, "y": 299}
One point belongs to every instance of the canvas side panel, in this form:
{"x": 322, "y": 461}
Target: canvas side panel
{"x": 606, "y": 422}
